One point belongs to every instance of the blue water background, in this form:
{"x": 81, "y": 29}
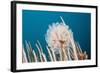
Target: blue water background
{"x": 35, "y": 24}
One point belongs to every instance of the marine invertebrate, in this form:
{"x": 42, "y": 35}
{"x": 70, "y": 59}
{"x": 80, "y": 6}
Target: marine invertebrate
{"x": 60, "y": 37}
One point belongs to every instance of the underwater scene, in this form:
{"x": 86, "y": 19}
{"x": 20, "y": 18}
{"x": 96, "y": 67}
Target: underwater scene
{"x": 50, "y": 36}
